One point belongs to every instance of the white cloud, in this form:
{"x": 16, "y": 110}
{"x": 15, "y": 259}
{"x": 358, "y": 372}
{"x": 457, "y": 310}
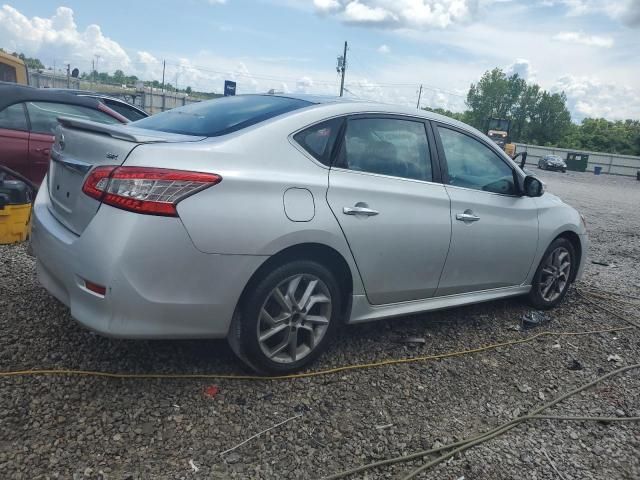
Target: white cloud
{"x": 418, "y": 14}
{"x": 383, "y": 49}
{"x": 584, "y": 39}
{"x": 60, "y": 38}
{"x": 304, "y": 84}
{"x": 217, "y": 2}
{"x": 589, "y": 97}
{"x": 358, "y": 12}
{"x": 326, "y": 6}
{"x": 625, "y": 11}
{"x": 522, "y": 68}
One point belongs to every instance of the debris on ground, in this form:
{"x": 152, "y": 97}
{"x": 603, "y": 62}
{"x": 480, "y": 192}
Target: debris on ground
{"x": 574, "y": 365}
{"x": 211, "y": 391}
{"x": 415, "y": 341}
{"x": 533, "y": 319}
{"x": 614, "y": 358}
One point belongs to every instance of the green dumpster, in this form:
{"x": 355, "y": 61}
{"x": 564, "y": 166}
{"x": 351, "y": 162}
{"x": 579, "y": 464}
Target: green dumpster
{"x": 577, "y": 162}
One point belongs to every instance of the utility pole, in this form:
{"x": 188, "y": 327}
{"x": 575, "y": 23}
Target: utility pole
{"x": 342, "y": 67}
{"x": 68, "y": 75}
{"x": 419, "y": 96}
{"x": 164, "y": 65}
{"x": 93, "y": 70}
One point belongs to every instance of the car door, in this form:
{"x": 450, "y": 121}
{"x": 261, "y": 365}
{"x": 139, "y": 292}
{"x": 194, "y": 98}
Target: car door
{"x": 384, "y": 192}
{"x": 494, "y": 233}
{"x": 43, "y": 117}
{"x": 14, "y": 139}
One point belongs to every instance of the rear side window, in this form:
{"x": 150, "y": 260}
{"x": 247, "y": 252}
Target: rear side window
{"x": 44, "y": 115}
{"x": 386, "y": 146}
{"x": 8, "y": 73}
{"x": 221, "y": 116}
{"x": 125, "y": 110}
{"x": 319, "y": 139}
{"x": 13, "y": 118}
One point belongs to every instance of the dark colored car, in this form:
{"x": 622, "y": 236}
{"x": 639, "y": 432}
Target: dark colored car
{"x": 28, "y": 118}
{"x": 552, "y": 162}
{"x": 126, "y": 109}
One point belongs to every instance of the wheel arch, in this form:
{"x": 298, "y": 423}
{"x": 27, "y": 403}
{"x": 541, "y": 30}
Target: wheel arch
{"x": 321, "y": 253}
{"x": 574, "y": 239}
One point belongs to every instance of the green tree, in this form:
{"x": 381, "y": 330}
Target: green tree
{"x": 119, "y": 77}
{"x": 495, "y": 95}
{"x": 535, "y": 114}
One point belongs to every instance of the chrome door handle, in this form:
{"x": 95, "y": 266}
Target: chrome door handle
{"x": 368, "y": 212}
{"x": 467, "y": 216}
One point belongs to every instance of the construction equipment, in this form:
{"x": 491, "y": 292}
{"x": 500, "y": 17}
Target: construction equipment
{"x": 13, "y": 69}
{"x": 499, "y": 132}
{"x": 16, "y": 197}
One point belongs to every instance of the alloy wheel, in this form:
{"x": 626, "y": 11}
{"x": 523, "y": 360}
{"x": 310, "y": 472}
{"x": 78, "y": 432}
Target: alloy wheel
{"x": 554, "y": 276}
{"x": 294, "y": 318}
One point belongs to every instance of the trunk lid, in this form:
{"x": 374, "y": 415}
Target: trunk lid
{"x": 80, "y": 146}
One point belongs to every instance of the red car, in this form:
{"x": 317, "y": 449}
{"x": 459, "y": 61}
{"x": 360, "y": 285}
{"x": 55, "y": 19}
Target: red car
{"x": 28, "y": 118}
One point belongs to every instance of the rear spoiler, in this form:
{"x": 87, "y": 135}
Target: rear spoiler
{"x": 125, "y": 132}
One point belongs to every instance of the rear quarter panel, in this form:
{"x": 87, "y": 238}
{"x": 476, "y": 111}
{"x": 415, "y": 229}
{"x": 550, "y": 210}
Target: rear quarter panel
{"x": 244, "y": 214}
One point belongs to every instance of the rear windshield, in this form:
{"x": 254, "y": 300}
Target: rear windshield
{"x": 221, "y": 116}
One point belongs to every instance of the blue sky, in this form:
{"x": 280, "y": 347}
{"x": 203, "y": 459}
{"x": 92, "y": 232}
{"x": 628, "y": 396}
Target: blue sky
{"x": 587, "y": 48}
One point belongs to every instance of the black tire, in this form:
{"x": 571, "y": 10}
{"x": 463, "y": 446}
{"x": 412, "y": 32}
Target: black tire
{"x": 535, "y": 296}
{"x": 564, "y": 170}
{"x": 244, "y": 332}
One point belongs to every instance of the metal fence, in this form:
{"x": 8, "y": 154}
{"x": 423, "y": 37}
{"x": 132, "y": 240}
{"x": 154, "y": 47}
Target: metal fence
{"x": 154, "y": 101}
{"x": 43, "y": 79}
{"x": 611, "y": 163}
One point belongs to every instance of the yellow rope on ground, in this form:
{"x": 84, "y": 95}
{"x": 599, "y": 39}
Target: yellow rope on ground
{"x": 317, "y": 373}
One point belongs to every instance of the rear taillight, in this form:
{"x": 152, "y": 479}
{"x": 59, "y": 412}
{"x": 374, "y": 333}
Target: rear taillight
{"x": 154, "y": 191}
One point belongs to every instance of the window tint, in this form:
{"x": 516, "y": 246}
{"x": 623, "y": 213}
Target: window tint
{"x": 44, "y": 115}
{"x": 124, "y": 110}
{"x": 221, "y": 116}
{"x": 319, "y": 139}
{"x": 472, "y": 164}
{"x": 13, "y": 118}
{"x": 386, "y": 146}
{"x": 7, "y": 73}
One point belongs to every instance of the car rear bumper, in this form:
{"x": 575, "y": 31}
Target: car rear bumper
{"x": 158, "y": 285}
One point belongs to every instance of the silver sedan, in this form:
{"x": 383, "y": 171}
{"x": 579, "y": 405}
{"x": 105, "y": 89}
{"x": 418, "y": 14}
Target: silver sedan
{"x": 272, "y": 220}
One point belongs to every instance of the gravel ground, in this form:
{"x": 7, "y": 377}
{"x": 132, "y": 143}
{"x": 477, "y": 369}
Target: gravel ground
{"x": 85, "y": 427}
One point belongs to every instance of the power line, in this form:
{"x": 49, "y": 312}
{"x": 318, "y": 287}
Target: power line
{"x": 250, "y": 75}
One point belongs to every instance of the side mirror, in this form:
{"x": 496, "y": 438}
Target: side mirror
{"x": 532, "y": 186}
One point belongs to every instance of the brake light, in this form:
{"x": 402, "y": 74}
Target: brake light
{"x": 153, "y": 191}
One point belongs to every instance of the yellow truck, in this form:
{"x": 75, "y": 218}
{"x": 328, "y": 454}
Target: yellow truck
{"x": 13, "y": 69}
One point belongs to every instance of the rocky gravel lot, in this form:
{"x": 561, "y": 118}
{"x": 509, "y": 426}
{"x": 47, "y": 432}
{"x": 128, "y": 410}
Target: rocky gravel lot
{"x": 82, "y": 427}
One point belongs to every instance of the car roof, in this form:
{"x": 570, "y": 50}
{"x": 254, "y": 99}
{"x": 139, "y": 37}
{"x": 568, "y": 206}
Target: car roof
{"x": 11, "y": 93}
{"x": 92, "y": 94}
{"x": 358, "y": 105}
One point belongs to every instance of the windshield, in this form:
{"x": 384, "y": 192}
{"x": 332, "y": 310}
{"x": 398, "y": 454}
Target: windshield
{"x": 221, "y": 116}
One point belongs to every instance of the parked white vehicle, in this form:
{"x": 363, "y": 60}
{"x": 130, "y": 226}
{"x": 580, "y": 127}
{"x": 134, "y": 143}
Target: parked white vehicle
{"x": 270, "y": 220}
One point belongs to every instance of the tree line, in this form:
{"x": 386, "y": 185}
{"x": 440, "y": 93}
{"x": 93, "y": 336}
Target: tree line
{"x": 540, "y": 117}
